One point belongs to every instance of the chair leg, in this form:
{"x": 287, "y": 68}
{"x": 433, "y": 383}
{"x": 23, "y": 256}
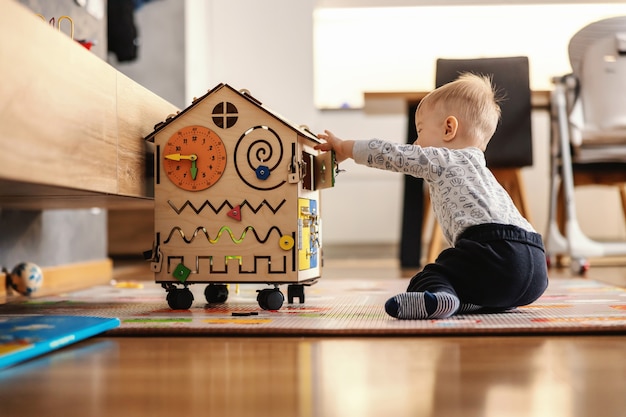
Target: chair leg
{"x": 522, "y": 201}
{"x": 511, "y": 180}
{"x": 434, "y": 248}
{"x": 435, "y": 244}
{"x": 622, "y": 193}
{"x": 427, "y": 209}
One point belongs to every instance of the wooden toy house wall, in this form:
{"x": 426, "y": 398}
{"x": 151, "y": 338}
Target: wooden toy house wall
{"x": 255, "y": 217}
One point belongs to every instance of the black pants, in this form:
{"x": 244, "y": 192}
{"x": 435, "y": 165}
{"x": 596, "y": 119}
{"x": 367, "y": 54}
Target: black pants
{"x": 492, "y": 265}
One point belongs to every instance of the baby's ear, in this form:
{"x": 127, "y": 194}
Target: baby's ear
{"x": 451, "y": 125}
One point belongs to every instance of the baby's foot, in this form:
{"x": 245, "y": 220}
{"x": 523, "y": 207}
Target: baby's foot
{"x": 422, "y": 305}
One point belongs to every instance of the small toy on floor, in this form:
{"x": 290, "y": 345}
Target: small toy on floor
{"x": 26, "y": 278}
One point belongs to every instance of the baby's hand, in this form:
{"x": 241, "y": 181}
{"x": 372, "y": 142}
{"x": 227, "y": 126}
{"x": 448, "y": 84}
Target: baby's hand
{"x": 343, "y": 149}
{"x": 332, "y": 141}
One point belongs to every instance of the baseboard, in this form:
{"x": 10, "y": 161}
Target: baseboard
{"x": 68, "y": 277}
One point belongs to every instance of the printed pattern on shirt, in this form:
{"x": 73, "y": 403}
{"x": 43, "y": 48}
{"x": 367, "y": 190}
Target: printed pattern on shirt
{"x": 463, "y": 191}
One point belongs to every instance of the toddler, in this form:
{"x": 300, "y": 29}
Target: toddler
{"x": 496, "y": 260}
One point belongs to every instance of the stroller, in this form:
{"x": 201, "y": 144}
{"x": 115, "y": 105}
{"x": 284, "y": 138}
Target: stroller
{"x": 588, "y": 136}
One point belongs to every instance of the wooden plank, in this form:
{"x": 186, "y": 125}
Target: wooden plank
{"x": 26, "y": 196}
{"x": 139, "y": 110}
{"x": 76, "y": 276}
{"x": 69, "y": 122}
{"x": 69, "y": 277}
{"x": 56, "y": 120}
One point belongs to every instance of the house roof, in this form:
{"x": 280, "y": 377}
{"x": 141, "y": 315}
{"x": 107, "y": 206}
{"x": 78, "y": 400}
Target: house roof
{"x": 243, "y": 93}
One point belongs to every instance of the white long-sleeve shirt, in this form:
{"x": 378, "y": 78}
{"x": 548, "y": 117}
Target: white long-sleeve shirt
{"x": 463, "y": 192}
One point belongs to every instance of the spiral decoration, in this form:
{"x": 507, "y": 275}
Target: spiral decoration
{"x": 258, "y": 153}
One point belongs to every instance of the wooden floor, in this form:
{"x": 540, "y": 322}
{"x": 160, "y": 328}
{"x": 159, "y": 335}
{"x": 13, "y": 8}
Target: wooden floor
{"x": 565, "y": 375}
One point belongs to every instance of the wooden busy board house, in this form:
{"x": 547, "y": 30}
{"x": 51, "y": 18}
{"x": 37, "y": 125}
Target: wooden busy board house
{"x": 237, "y": 200}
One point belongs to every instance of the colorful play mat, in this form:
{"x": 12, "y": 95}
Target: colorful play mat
{"x": 331, "y": 307}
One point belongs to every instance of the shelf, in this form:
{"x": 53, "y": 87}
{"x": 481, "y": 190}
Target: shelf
{"x": 71, "y": 125}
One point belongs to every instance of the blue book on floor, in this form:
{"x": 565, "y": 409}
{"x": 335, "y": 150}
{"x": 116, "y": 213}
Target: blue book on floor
{"x": 25, "y": 337}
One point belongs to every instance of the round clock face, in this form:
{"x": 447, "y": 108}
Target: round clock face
{"x": 194, "y": 158}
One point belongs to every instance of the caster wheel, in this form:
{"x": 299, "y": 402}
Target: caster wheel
{"x": 579, "y": 266}
{"x": 584, "y": 268}
{"x": 179, "y": 299}
{"x": 270, "y": 299}
{"x": 216, "y": 293}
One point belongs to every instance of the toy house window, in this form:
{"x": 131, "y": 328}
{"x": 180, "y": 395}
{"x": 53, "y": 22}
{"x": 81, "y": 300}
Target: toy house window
{"x": 225, "y": 115}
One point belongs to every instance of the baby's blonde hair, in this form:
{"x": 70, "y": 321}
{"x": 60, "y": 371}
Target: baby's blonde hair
{"x": 473, "y": 100}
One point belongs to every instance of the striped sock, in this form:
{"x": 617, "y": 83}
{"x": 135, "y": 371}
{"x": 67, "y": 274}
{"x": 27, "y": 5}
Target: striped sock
{"x": 422, "y": 305}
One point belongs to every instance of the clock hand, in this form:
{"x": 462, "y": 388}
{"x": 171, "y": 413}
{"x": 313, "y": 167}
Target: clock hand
{"x": 178, "y": 157}
{"x": 194, "y": 170}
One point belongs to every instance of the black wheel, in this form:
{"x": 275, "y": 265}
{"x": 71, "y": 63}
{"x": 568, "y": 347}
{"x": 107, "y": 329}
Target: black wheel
{"x": 275, "y": 299}
{"x": 270, "y": 299}
{"x": 216, "y": 293}
{"x": 179, "y": 299}
{"x": 261, "y": 298}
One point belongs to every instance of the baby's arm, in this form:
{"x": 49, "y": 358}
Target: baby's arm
{"x": 342, "y": 148}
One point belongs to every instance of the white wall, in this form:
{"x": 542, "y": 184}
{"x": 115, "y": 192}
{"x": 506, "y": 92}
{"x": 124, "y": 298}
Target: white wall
{"x": 160, "y": 62}
{"x": 267, "y": 48}
{"x": 409, "y": 40}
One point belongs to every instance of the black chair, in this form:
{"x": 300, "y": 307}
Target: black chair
{"x": 509, "y": 150}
